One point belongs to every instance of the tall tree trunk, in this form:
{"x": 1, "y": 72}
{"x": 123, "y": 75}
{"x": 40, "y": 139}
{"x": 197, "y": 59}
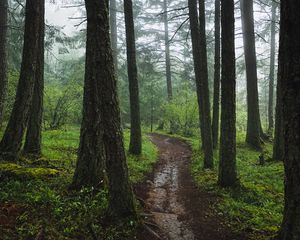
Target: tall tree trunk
{"x": 113, "y": 31}
{"x": 278, "y": 135}
{"x": 227, "y": 164}
{"x": 201, "y": 75}
{"x": 32, "y": 146}
{"x": 135, "y": 145}
{"x": 11, "y": 142}
{"x": 91, "y": 158}
{"x": 272, "y": 69}
{"x": 278, "y": 146}
{"x": 121, "y": 200}
{"x": 253, "y": 118}
{"x": 168, "y": 59}
{"x": 101, "y": 108}
{"x": 216, "y": 103}
{"x": 167, "y": 52}
{"x": 3, "y": 56}
{"x": 289, "y": 78}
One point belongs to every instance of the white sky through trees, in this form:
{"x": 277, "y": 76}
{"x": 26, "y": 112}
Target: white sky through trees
{"x": 58, "y": 15}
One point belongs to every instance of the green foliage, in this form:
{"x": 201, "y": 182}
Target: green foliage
{"x": 13, "y": 78}
{"x": 140, "y": 165}
{"x": 62, "y": 104}
{"x": 257, "y": 205}
{"x": 61, "y": 146}
{"x": 183, "y": 112}
{"x": 44, "y": 202}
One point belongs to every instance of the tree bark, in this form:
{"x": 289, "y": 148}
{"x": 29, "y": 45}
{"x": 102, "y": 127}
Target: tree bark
{"x": 272, "y": 69}
{"x": 253, "y": 136}
{"x": 201, "y": 75}
{"x": 278, "y": 136}
{"x": 32, "y": 146}
{"x": 106, "y": 110}
{"x": 121, "y": 200}
{"x": 168, "y": 59}
{"x": 278, "y": 145}
{"x": 216, "y": 99}
{"x": 227, "y": 165}
{"x": 114, "y": 31}
{"x": 3, "y": 56}
{"x": 135, "y": 145}
{"x": 91, "y": 158}
{"x": 289, "y": 78}
{"x": 11, "y": 142}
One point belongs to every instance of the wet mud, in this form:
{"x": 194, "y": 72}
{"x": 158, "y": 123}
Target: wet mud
{"x": 176, "y": 208}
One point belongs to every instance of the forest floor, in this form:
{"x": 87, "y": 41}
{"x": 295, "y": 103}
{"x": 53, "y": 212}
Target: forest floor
{"x": 179, "y": 199}
{"x": 34, "y": 195}
{"x": 176, "y": 208}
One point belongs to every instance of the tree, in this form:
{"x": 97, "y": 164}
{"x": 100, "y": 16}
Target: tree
{"x": 135, "y": 145}
{"x": 216, "y": 102}
{"x": 201, "y": 75}
{"x": 121, "y": 201}
{"x": 102, "y": 106}
{"x": 11, "y": 142}
{"x": 272, "y": 68}
{"x": 168, "y": 59}
{"x": 113, "y": 30}
{"x": 278, "y": 146}
{"x": 3, "y": 55}
{"x": 227, "y": 165}
{"x": 91, "y": 157}
{"x": 289, "y": 58}
{"x": 32, "y": 146}
{"x": 167, "y": 51}
{"x": 253, "y": 136}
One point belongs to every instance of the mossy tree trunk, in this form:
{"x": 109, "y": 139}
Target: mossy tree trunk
{"x": 201, "y": 75}
{"x": 32, "y": 146}
{"x": 216, "y": 97}
{"x": 11, "y": 142}
{"x": 289, "y": 78}
{"x": 253, "y": 136}
{"x": 227, "y": 165}
{"x": 135, "y": 145}
{"x": 3, "y": 56}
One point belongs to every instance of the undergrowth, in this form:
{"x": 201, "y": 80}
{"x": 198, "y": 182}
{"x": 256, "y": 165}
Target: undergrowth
{"x": 41, "y": 203}
{"x": 256, "y": 206}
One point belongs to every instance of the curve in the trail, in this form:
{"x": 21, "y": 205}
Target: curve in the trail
{"x": 178, "y": 208}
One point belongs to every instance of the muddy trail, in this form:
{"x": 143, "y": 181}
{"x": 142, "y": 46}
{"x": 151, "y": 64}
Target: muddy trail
{"x": 175, "y": 209}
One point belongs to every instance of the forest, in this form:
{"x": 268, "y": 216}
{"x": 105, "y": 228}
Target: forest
{"x": 150, "y": 119}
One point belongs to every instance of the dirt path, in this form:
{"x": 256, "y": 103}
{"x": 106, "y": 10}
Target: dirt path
{"x": 178, "y": 210}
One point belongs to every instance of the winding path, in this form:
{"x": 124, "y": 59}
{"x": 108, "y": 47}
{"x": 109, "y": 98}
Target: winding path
{"x": 178, "y": 209}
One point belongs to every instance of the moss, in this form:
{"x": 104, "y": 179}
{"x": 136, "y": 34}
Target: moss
{"x": 11, "y": 170}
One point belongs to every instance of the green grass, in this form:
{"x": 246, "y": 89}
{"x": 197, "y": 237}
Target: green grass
{"x": 141, "y": 165}
{"x": 257, "y": 205}
{"x": 46, "y": 202}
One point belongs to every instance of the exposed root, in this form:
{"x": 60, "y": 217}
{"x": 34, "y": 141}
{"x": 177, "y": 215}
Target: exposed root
{"x": 152, "y": 232}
